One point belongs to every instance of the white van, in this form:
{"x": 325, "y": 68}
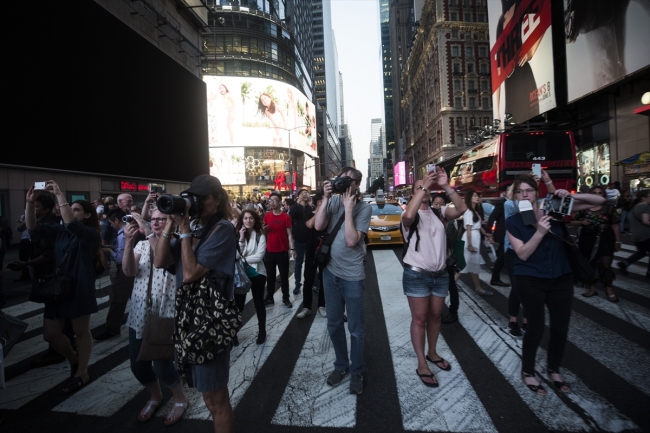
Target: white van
{"x": 380, "y": 197}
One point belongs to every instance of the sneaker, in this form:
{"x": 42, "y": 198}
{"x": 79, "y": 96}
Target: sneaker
{"x": 303, "y": 313}
{"x": 105, "y": 336}
{"x": 48, "y": 359}
{"x": 623, "y": 267}
{"x": 296, "y": 291}
{"x": 336, "y": 377}
{"x": 514, "y": 329}
{"x": 450, "y": 318}
{"x": 322, "y": 311}
{"x": 356, "y": 383}
{"x": 287, "y": 304}
{"x": 268, "y": 302}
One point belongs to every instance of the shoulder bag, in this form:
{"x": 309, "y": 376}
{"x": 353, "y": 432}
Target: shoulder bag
{"x": 158, "y": 335}
{"x": 54, "y": 287}
{"x": 242, "y": 282}
{"x": 323, "y": 251}
{"x": 582, "y": 270}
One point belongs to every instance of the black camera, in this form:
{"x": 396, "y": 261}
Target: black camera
{"x": 557, "y": 207}
{"x": 171, "y": 204}
{"x": 128, "y": 219}
{"x": 341, "y": 184}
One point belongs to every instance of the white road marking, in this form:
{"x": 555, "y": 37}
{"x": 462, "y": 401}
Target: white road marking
{"x": 453, "y": 406}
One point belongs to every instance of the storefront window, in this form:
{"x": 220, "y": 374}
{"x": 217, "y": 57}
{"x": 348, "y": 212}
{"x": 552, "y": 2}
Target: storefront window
{"x": 594, "y": 166}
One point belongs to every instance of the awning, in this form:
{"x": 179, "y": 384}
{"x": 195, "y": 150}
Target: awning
{"x": 639, "y": 158}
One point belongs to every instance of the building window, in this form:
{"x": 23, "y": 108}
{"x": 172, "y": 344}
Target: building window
{"x": 468, "y": 17}
{"x": 472, "y": 102}
{"x": 457, "y": 85}
{"x": 455, "y": 51}
{"x": 454, "y": 34}
{"x": 484, "y": 86}
{"x": 465, "y": 3}
{"x": 468, "y": 36}
{"x": 456, "y": 67}
{"x": 471, "y": 85}
{"x": 484, "y": 68}
{"x": 454, "y": 16}
{"x": 470, "y": 68}
{"x": 459, "y": 122}
{"x": 458, "y": 102}
{"x": 460, "y": 138}
{"x": 482, "y": 51}
{"x": 481, "y": 18}
{"x": 469, "y": 52}
{"x": 486, "y": 102}
{"x": 486, "y": 121}
{"x": 472, "y": 121}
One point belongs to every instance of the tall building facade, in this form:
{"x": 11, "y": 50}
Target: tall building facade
{"x": 445, "y": 82}
{"x": 377, "y": 146}
{"x": 387, "y": 72}
{"x": 262, "y": 118}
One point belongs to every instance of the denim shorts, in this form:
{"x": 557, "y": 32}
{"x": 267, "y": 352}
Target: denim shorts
{"x": 419, "y": 285}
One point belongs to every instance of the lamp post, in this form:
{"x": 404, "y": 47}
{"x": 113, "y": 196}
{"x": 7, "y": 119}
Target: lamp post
{"x": 289, "y": 146}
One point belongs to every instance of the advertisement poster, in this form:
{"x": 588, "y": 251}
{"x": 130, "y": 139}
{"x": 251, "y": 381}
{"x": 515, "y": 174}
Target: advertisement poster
{"x": 399, "y": 171}
{"x": 594, "y": 166}
{"x": 228, "y": 164}
{"x": 521, "y": 58}
{"x": 605, "y": 41}
{"x": 258, "y": 112}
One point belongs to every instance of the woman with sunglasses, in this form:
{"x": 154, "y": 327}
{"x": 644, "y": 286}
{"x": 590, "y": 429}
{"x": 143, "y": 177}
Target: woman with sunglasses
{"x": 543, "y": 277}
{"x": 138, "y": 262}
{"x": 598, "y": 240}
{"x": 79, "y": 236}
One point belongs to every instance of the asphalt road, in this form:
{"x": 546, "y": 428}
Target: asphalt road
{"x": 280, "y": 385}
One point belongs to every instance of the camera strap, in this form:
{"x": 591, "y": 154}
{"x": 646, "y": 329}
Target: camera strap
{"x": 335, "y": 230}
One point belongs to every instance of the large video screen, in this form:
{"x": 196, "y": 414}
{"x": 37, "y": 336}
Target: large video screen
{"x": 521, "y": 58}
{"x": 399, "y": 171}
{"x": 594, "y": 166}
{"x": 258, "y": 112}
{"x": 605, "y": 41}
{"x": 228, "y": 164}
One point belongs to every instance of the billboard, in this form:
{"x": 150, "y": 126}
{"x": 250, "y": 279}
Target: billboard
{"x": 605, "y": 41}
{"x": 258, "y": 112}
{"x": 521, "y": 58}
{"x": 594, "y": 166}
{"x": 228, "y": 164}
{"x": 399, "y": 171}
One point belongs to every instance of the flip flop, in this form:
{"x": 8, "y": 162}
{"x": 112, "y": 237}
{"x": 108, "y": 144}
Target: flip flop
{"x": 440, "y": 363}
{"x": 75, "y": 383}
{"x": 172, "y": 414}
{"x": 612, "y": 298}
{"x": 430, "y": 385}
{"x": 148, "y": 410}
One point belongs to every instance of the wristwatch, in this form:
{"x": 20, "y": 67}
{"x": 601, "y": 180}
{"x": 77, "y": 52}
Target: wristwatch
{"x": 422, "y": 188}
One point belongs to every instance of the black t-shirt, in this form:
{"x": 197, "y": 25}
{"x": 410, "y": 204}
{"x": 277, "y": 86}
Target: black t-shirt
{"x": 300, "y": 215}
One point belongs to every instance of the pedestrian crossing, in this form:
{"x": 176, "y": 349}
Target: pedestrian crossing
{"x": 607, "y": 365}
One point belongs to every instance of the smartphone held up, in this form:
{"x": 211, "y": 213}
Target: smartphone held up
{"x": 39, "y": 186}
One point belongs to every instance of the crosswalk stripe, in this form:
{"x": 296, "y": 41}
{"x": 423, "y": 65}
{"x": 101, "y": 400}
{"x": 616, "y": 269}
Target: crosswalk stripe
{"x": 478, "y": 318}
{"x": 455, "y": 391}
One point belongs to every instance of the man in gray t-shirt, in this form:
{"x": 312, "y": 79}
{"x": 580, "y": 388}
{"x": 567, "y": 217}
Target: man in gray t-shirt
{"x": 344, "y": 277}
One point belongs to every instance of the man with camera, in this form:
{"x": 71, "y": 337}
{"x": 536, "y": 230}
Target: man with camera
{"x": 279, "y": 244}
{"x": 344, "y": 277}
{"x": 121, "y": 285}
{"x": 426, "y": 278}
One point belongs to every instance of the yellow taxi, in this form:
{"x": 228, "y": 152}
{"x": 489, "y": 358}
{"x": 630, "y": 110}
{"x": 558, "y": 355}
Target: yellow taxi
{"x": 384, "y": 224}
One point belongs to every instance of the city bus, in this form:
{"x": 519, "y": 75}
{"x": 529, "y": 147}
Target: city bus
{"x": 492, "y": 165}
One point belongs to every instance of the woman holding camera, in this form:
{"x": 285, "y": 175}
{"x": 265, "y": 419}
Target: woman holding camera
{"x": 543, "y": 277}
{"x": 252, "y": 245}
{"x": 79, "y": 236}
{"x": 599, "y": 239}
{"x": 206, "y": 247}
{"x": 138, "y": 262}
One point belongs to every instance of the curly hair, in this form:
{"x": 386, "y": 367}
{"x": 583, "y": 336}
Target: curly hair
{"x": 257, "y": 225}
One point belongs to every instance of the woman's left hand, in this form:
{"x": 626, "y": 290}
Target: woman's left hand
{"x": 53, "y": 187}
{"x": 562, "y": 192}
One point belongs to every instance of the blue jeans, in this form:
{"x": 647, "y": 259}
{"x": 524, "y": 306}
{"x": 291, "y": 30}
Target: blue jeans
{"x": 626, "y": 215}
{"x": 300, "y": 258}
{"x": 339, "y": 296}
{"x": 148, "y": 372}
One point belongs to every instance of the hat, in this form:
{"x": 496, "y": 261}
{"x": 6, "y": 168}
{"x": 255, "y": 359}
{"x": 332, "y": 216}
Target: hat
{"x": 204, "y": 184}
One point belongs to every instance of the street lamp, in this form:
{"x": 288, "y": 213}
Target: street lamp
{"x": 289, "y": 145}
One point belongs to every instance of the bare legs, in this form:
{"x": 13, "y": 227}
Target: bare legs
{"x": 218, "y": 403}
{"x": 53, "y": 334}
{"x": 425, "y": 322}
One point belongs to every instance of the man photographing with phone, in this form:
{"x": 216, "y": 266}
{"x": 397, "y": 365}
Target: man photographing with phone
{"x": 343, "y": 276}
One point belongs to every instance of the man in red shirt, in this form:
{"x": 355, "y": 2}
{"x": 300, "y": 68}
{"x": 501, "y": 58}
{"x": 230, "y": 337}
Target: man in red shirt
{"x": 279, "y": 244}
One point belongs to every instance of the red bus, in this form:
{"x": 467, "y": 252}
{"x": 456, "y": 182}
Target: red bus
{"x": 492, "y": 165}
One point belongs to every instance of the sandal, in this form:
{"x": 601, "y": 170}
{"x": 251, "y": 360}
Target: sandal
{"x": 590, "y": 293}
{"x": 440, "y": 363}
{"x": 561, "y": 385}
{"x": 611, "y": 297}
{"x": 431, "y": 376}
{"x": 173, "y": 418}
{"x": 538, "y": 389}
{"x": 148, "y": 410}
{"x": 75, "y": 383}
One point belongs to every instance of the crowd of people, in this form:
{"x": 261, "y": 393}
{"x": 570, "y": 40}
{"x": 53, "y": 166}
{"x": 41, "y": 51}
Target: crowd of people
{"x": 160, "y": 261}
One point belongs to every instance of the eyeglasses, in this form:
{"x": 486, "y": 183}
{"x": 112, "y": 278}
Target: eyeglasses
{"x": 158, "y": 220}
{"x": 527, "y": 191}
{"x": 273, "y": 199}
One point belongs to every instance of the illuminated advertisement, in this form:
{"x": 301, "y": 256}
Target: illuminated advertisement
{"x": 399, "y": 171}
{"x": 257, "y": 112}
{"x": 594, "y": 166}
{"x": 521, "y": 58}
{"x": 228, "y": 164}
{"x": 605, "y": 41}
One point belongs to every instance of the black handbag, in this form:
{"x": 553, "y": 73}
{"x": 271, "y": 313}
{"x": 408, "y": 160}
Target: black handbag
{"x": 11, "y": 328}
{"x": 323, "y": 251}
{"x": 583, "y": 272}
{"x": 158, "y": 335}
{"x": 54, "y": 288}
{"x": 242, "y": 282}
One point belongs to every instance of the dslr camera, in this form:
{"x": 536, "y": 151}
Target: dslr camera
{"x": 128, "y": 219}
{"x": 557, "y": 207}
{"x": 341, "y": 184}
{"x": 171, "y": 204}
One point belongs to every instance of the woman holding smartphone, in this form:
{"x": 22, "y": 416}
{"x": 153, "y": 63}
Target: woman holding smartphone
{"x": 472, "y": 221}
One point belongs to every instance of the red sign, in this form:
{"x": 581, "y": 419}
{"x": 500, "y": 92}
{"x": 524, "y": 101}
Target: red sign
{"x": 143, "y": 187}
{"x": 128, "y": 186}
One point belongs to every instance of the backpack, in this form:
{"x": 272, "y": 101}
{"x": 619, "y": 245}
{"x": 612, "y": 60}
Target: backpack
{"x": 451, "y": 232}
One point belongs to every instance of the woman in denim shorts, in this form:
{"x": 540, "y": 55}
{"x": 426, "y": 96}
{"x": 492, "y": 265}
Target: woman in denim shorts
{"x": 425, "y": 278}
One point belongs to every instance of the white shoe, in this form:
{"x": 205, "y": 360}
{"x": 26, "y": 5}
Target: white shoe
{"x": 322, "y": 311}
{"x": 304, "y": 313}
